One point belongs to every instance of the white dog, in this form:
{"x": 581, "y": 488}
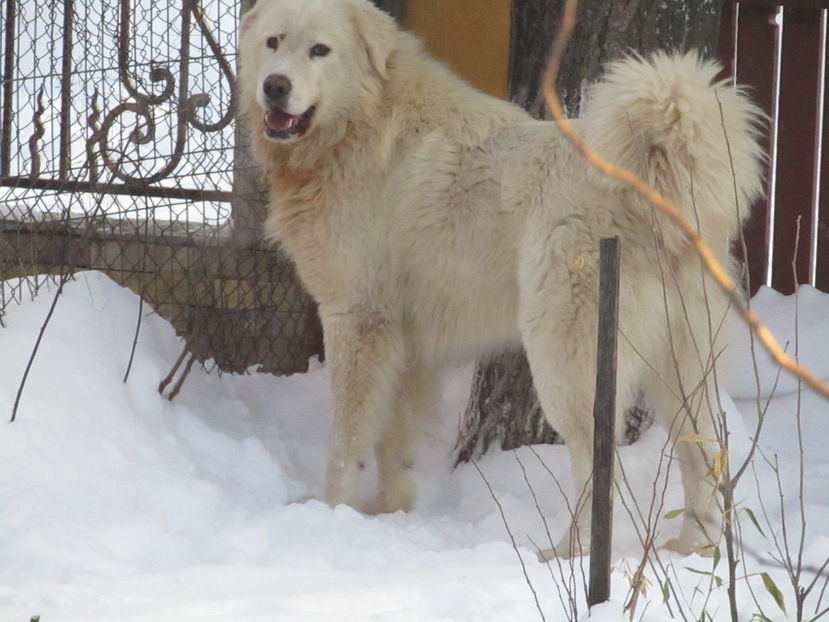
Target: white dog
{"x": 431, "y": 221}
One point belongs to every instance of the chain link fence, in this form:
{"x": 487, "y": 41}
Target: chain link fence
{"x": 118, "y": 153}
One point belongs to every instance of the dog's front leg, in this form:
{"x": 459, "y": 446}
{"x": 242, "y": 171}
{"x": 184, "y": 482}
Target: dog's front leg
{"x": 363, "y": 355}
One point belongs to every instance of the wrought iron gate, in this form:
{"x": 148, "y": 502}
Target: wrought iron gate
{"x": 118, "y": 153}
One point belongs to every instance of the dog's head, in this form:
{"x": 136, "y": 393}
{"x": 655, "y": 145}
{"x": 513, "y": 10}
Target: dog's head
{"x": 307, "y": 62}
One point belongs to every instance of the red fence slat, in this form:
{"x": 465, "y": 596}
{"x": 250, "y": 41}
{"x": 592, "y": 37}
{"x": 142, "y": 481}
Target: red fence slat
{"x": 796, "y": 4}
{"x": 796, "y": 157}
{"x": 755, "y": 68}
{"x": 822, "y": 272}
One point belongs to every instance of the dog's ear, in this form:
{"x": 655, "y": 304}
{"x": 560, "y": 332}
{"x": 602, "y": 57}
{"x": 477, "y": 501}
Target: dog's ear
{"x": 377, "y": 31}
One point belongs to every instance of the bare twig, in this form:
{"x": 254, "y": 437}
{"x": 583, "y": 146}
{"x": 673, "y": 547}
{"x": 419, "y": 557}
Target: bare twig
{"x": 135, "y": 338}
{"x": 169, "y": 377}
{"x": 800, "y": 593}
{"x": 511, "y": 537}
{"x": 63, "y": 279}
{"x": 182, "y": 378}
{"x": 573, "y": 514}
{"x": 648, "y": 533}
{"x": 570, "y": 603}
{"x": 65, "y": 275}
{"x": 140, "y": 306}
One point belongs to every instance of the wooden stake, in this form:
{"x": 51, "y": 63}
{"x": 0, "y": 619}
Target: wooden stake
{"x": 604, "y": 416}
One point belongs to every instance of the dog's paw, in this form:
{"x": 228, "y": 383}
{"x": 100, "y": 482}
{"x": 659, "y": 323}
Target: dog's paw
{"x": 399, "y": 499}
{"x": 700, "y": 536}
{"x": 378, "y": 506}
{"x": 684, "y": 546}
{"x": 566, "y": 549}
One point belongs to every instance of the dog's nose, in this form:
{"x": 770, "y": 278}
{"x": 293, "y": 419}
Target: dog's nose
{"x": 276, "y": 86}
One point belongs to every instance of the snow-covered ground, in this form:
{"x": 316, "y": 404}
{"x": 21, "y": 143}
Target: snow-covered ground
{"x": 118, "y": 505}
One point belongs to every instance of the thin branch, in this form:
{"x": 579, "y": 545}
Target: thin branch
{"x": 63, "y": 280}
{"x": 799, "y": 592}
{"x": 511, "y": 537}
{"x": 140, "y": 303}
{"x": 169, "y": 377}
{"x": 182, "y": 378}
{"x": 569, "y": 588}
{"x": 135, "y": 338}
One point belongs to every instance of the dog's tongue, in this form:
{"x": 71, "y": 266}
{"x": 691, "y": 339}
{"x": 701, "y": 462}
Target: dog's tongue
{"x": 280, "y": 121}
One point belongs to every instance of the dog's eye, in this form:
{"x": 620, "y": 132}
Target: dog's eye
{"x": 272, "y": 42}
{"x": 320, "y": 50}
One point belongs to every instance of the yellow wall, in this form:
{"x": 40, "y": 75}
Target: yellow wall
{"x": 471, "y": 36}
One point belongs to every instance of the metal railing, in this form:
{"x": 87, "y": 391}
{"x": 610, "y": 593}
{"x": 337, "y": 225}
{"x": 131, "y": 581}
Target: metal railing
{"x": 778, "y": 48}
{"x": 118, "y": 153}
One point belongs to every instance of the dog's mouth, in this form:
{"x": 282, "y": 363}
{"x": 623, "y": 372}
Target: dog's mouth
{"x": 280, "y": 125}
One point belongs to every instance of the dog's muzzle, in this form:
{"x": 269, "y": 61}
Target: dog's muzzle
{"x": 279, "y": 124}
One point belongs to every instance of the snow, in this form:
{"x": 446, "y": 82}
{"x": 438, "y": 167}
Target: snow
{"x": 116, "y": 504}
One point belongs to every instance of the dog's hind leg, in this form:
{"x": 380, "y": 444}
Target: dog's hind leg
{"x": 364, "y": 355}
{"x": 684, "y": 396}
{"x": 681, "y": 386}
{"x": 557, "y": 322}
{"x": 559, "y": 311}
{"x": 569, "y": 406}
{"x": 415, "y": 407}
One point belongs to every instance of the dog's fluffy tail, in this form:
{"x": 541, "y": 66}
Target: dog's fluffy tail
{"x": 691, "y": 137}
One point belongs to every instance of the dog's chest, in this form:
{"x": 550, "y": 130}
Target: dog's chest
{"x": 328, "y": 229}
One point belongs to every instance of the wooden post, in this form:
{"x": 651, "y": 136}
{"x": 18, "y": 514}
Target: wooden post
{"x": 604, "y": 416}
{"x": 248, "y": 204}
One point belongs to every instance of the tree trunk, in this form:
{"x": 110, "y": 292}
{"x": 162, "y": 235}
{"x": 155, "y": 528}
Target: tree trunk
{"x": 395, "y": 8}
{"x": 607, "y": 29}
{"x": 503, "y": 408}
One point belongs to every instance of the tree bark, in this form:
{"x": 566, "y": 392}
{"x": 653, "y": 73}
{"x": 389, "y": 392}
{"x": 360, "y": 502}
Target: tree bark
{"x": 606, "y": 29}
{"x": 395, "y": 8}
{"x": 503, "y": 408}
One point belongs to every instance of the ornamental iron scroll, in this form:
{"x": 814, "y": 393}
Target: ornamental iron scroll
{"x": 144, "y": 103}
{"x": 118, "y": 154}
{"x": 114, "y": 95}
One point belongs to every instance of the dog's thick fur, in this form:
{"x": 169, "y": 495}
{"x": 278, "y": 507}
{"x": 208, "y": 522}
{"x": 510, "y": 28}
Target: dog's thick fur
{"x": 430, "y": 221}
